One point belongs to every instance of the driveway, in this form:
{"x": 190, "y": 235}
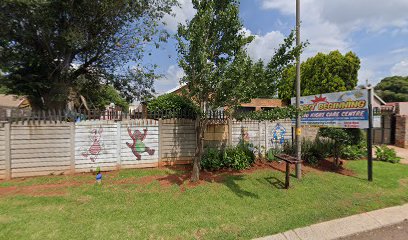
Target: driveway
{"x": 401, "y": 152}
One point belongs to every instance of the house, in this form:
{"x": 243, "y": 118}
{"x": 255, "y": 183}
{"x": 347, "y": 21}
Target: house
{"x": 14, "y": 102}
{"x": 400, "y": 108}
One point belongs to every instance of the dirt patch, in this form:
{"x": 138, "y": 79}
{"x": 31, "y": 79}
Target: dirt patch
{"x": 327, "y": 165}
{"x": 39, "y": 190}
{"x": 181, "y": 179}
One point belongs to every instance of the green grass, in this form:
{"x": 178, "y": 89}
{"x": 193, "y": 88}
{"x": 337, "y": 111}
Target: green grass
{"x": 240, "y": 207}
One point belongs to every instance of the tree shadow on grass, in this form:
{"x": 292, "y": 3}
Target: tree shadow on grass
{"x": 228, "y": 179}
{"x": 231, "y": 183}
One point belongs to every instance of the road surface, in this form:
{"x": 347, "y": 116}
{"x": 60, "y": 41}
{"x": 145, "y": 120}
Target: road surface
{"x": 393, "y": 232}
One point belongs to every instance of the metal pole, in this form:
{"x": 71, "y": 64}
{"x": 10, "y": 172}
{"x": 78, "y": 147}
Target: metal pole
{"x": 370, "y": 135}
{"x": 298, "y": 123}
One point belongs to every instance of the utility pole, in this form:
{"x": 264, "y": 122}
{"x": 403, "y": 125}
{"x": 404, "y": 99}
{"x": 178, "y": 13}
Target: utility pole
{"x": 298, "y": 123}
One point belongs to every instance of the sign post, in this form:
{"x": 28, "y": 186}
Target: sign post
{"x": 370, "y": 135}
{"x": 351, "y": 109}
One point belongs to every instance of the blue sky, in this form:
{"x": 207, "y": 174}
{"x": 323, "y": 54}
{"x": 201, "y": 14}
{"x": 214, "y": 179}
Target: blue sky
{"x": 375, "y": 30}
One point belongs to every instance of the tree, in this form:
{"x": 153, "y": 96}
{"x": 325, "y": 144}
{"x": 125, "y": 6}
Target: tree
{"x": 322, "y": 73}
{"x": 211, "y": 50}
{"x": 208, "y": 46}
{"x": 103, "y": 95}
{"x": 393, "y": 89}
{"x": 46, "y": 46}
{"x": 173, "y": 102}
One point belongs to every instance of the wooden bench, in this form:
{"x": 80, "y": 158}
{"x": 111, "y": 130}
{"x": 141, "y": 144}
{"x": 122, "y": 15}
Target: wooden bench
{"x": 289, "y": 160}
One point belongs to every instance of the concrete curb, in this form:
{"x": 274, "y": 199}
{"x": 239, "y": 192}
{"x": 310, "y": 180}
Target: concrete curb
{"x": 347, "y": 226}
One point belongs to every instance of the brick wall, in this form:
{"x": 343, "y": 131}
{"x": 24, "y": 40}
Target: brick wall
{"x": 401, "y": 131}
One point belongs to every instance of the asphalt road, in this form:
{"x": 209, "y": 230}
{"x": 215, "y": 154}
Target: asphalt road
{"x": 393, "y": 232}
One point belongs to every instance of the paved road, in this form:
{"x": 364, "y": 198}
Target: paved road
{"x": 394, "y": 232}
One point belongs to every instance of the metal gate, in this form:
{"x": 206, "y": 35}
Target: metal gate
{"x": 385, "y": 134}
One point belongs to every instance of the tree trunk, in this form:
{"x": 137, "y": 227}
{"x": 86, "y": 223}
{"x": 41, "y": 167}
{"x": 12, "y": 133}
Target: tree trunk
{"x": 200, "y": 128}
{"x": 337, "y": 155}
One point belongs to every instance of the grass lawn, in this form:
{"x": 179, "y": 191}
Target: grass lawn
{"x": 244, "y": 206}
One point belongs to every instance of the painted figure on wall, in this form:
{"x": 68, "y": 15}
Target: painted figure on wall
{"x": 278, "y": 134}
{"x": 96, "y": 147}
{"x": 138, "y": 147}
{"x": 244, "y": 135}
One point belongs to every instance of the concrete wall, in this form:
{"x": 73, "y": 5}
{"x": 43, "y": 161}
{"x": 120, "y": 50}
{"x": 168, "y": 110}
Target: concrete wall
{"x": 50, "y": 148}
{"x": 177, "y": 141}
{"x": 263, "y": 135}
{"x": 216, "y": 135}
{"x": 96, "y": 145}
{"x": 144, "y": 135}
{"x": 40, "y": 149}
{"x": 2, "y": 152}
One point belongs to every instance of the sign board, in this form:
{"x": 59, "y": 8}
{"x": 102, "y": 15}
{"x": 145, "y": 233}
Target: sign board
{"x": 340, "y": 109}
{"x": 377, "y": 120}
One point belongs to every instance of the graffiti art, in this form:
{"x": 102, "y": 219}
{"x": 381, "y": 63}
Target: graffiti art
{"x": 278, "y": 134}
{"x": 96, "y": 147}
{"x": 138, "y": 146}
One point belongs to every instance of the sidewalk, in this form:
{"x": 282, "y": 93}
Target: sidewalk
{"x": 347, "y": 226}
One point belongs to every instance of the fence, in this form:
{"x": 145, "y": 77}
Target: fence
{"x": 44, "y": 144}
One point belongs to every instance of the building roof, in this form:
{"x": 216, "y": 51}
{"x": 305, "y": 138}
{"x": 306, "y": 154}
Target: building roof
{"x": 13, "y": 101}
{"x": 264, "y": 102}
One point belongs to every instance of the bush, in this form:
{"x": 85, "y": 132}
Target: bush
{"x": 354, "y": 152}
{"x": 340, "y": 137}
{"x": 312, "y": 151}
{"x": 237, "y": 158}
{"x": 248, "y": 149}
{"x": 173, "y": 103}
{"x": 386, "y": 154}
{"x": 272, "y": 152}
{"x": 212, "y": 159}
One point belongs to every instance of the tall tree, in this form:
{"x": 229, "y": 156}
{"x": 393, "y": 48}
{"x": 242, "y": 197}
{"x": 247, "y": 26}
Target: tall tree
{"x": 322, "y": 73}
{"x": 219, "y": 72}
{"x": 393, "y": 89}
{"x": 209, "y": 45}
{"x": 46, "y": 46}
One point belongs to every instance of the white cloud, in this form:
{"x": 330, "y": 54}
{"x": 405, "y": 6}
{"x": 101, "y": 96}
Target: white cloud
{"x": 328, "y": 25}
{"x": 400, "y": 69}
{"x": 323, "y": 35}
{"x": 370, "y": 14}
{"x": 183, "y": 12}
{"x": 171, "y": 79}
{"x": 263, "y": 46}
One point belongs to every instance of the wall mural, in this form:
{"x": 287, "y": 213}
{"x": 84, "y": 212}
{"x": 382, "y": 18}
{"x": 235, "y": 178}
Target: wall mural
{"x": 278, "y": 134}
{"x": 96, "y": 147}
{"x": 138, "y": 147}
{"x": 244, "y": 135}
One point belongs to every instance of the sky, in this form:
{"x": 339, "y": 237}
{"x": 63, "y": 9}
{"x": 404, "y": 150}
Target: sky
{"x": 377, "y": 31}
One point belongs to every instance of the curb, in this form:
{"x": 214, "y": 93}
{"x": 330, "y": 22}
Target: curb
{"x": 347, "y": 226}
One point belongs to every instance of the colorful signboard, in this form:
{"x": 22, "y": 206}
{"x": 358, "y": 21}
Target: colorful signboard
{"x": 340, "y": 109}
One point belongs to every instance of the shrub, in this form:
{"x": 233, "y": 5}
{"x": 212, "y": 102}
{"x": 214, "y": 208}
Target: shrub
{"x": 248, "y": 149}
{"x": 239, "y": 157}
{"x": 173, "y": 103}
{"x": 340, "y": 137}
{"x": 272, "y": 152}
{"x": 312, "y": 151}
{"x": 386, "y": 154}
{"x": 212, "y": 159}
{"x": 354, "y": 152}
